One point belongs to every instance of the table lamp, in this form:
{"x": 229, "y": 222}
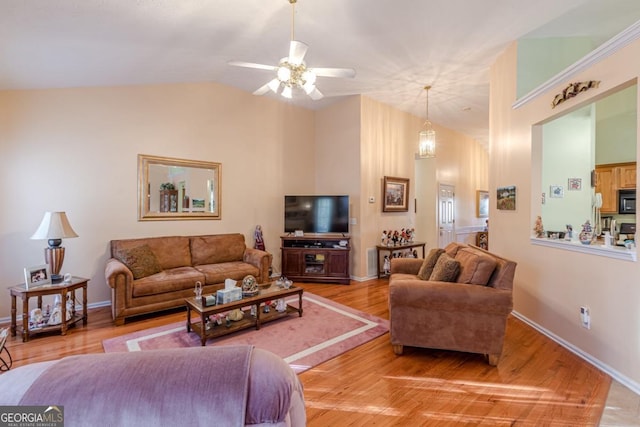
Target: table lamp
{"x": 54, "y": 227}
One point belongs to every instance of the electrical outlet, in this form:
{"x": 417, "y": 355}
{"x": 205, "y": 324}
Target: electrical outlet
{"x": 372, "y": 199}
{"x": 585, "y": 317}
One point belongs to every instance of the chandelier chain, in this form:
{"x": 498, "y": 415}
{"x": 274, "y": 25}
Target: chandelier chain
{"x": 427, "y": 108}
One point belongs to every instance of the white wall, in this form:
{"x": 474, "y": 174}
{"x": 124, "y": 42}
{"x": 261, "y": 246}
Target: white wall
{"x": 568, "y": 152}
{"x": 76, "y": 150}
{"x": 551, "y": 284}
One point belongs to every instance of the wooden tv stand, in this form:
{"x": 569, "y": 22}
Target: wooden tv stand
{"x": 316, "y": 259}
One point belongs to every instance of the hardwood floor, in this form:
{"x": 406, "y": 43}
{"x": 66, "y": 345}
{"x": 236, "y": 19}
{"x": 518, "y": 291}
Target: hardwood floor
{"x": 536, "y": 383}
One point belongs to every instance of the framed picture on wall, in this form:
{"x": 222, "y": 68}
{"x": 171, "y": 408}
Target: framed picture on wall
{"x": 395, "y": 194}
{"x": 482, "y": 204}
{"x": 556, "y": 191}
{"x": 574, "y": 184}
{"x": 506, "y": 198}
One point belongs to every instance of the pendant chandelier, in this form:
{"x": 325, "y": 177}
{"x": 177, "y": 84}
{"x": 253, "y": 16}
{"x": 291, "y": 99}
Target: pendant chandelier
{"x": 427, "y": 137}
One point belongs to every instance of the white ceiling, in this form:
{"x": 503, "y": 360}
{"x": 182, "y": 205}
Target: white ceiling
{"x": 396, "y": 47}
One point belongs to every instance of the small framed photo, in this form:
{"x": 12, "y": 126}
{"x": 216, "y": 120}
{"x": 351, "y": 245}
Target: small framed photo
{"x": 395, "y": 194}
{"x": 574, "y": 184}
{"x": 37, "y": 276}
{"x": 556, "y": 191}
{"x": 482, "y": 204}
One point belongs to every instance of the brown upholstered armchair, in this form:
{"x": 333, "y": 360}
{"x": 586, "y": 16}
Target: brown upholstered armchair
{"x": 462, "y": 316}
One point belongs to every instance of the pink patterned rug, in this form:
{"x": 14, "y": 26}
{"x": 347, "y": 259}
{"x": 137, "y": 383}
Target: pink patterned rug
{"x": 325, "y": 330}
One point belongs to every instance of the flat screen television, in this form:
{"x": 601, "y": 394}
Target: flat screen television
{"x": 316, "y": 214}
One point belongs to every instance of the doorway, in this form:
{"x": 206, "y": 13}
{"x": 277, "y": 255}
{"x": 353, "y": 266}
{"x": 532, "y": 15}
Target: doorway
{"x": 446, "y": 215}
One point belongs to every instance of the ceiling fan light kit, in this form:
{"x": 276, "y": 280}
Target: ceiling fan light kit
{"x": 292, "y": 72}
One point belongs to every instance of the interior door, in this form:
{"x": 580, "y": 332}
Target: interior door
{"x": 446, "y": 215}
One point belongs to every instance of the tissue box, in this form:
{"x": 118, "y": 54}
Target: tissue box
{"x": 224, "y": 296}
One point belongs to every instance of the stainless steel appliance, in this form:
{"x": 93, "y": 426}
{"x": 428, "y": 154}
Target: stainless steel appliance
{"x": 626, "y": 201}
{"x": 627, "y": 232}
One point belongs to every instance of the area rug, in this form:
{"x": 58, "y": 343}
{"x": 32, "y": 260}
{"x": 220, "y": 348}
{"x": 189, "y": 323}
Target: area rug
{"x": 325, "y": 330}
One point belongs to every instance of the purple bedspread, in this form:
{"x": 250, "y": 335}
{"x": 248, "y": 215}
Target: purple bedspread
{"x": 165, "y": 387}
{"x": 219, "y": 386}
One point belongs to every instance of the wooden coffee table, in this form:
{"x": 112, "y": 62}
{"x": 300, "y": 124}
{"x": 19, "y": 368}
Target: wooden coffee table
{"x": 269, "y": 292}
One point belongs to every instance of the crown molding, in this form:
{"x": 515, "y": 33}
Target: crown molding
{"x": 603, "y": 51}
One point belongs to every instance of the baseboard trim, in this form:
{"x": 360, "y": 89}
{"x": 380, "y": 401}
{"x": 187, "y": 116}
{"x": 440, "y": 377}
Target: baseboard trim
{"x": 627, "y": 382}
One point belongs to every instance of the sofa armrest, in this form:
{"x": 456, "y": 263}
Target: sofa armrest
{"x": 119, "y": 278}
{"x": 259, "y": 259}
{"x": 406, "y": 265}
{"x": 116, "y": 272}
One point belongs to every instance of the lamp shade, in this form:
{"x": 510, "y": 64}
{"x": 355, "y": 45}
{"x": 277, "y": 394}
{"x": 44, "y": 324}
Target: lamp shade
{"x": 54, "y": 226}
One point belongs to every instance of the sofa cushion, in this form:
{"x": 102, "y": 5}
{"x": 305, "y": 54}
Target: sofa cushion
{"x": 171, "y": 251}
{"x": 445, "y": 270}
{"x": 429, "y": 262}
{"x": 140, "y": 260}
{"x": 452, "y": 248}
{"x": 475, "y": 268}
{"x": 217, "y": 248}
{"x": 217, "y": 273}
{"x": 167, "y": 281}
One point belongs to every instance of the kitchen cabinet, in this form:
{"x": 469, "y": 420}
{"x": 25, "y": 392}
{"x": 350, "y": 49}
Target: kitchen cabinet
{"x": 627, "y": 175}
{"x": 612, "y": 177}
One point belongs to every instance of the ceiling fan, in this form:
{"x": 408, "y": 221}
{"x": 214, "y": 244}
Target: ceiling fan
{"x": 292, "y": 73}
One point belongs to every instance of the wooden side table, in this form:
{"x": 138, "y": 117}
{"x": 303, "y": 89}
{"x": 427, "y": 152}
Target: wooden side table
{"x": 391, "y": 249}
{"x": 61, "y": 289}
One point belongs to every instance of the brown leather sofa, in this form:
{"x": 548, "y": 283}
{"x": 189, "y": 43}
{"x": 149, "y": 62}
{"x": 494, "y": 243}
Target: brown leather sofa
{"x": 469, "y": 317}
{"x": 157, "y": 273}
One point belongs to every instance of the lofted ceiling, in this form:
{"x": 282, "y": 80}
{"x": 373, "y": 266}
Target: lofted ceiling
{"x": 396, "y": 47}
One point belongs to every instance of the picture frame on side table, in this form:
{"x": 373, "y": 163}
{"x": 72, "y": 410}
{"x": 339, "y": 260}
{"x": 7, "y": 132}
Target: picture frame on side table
{"x": 482, "y": 204}
{"x": 395, "y": 194}
{"x": 37, "y": 276}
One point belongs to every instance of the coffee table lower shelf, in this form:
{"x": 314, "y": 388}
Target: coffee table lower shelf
{"x": 248, "y": 320}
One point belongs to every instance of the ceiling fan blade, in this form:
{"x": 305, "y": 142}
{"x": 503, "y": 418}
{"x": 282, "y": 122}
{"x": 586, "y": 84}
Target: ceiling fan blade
{"x": 262, "y": 90}
{"x": 252, "y": 65}
{"x": 335, "y": 72}
{"x": 316, "y": 95}
{"x": 297, "y": 51}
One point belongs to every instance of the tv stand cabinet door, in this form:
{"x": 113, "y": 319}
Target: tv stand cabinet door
{"x": 337, "y": 264}
{"x": 292, "y": 264}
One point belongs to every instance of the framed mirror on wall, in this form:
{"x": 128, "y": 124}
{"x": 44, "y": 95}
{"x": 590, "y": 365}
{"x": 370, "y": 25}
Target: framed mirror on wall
{"x": 178, "y": 189}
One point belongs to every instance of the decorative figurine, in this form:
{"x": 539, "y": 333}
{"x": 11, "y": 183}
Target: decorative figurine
{"x": 386, "y": 266}
{"x": 259, "y": 240}
{"x": 568, "y": 235}
{"x": 198, "y": 291}
{"x": 538, "y": 228}
{"x": 586, "y": 235}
